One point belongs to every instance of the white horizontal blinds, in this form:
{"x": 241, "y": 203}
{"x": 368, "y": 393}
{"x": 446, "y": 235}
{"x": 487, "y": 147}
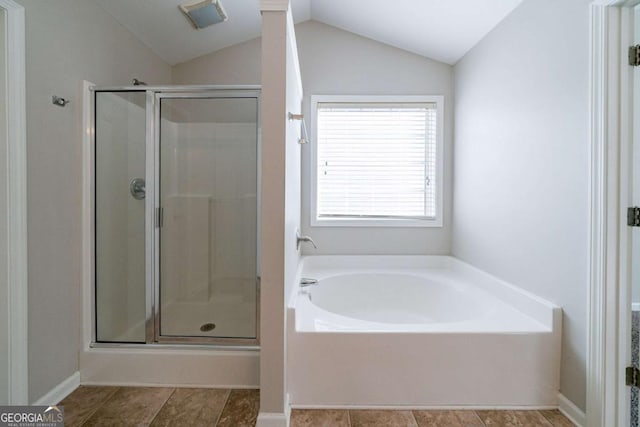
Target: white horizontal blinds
{"x": 376, "y": 160}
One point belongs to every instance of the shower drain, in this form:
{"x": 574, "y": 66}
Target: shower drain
{"x": 208, "y": 327}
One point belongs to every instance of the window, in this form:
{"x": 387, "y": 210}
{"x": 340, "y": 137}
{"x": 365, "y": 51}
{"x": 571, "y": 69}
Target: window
{"x": 378, "y": 161}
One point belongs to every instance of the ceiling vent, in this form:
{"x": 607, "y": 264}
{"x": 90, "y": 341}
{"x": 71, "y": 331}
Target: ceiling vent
{"x": 204, "y": 13}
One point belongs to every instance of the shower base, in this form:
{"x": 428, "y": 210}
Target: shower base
{"x": 228, "y": 311}
{"x": 232, "y": 319}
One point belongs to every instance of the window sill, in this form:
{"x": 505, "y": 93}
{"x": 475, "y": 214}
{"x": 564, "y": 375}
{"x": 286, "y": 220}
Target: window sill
{"x": 379, "y": 223}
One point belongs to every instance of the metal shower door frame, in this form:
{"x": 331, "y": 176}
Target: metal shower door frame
{"x": 154, "y": 95}
{"x": 153, "y": 213}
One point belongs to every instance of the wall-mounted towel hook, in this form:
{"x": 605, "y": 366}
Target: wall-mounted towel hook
{"x": 59, "y": 101}
{"x": 137, "y": 82}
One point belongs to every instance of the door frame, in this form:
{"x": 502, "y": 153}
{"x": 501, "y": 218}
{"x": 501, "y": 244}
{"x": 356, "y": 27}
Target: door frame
{"x": 154, "y": 103}
{"x": 16, "y": 212}
{"x": 609, "y": 288}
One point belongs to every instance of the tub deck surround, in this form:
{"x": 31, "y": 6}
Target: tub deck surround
{"x": 421, "y": 332}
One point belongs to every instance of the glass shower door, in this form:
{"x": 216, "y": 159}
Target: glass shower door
{"x": 208, "y": 148}
{"x": 120, "y": 144}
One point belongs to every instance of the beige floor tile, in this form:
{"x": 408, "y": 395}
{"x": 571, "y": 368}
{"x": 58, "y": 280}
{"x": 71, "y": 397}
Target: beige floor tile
{"x": 382, "y": 419}
{"x": 131, "y": 406}
{"x": 192, "y": 407}
{"x": 83, "y": 402}
{"x": 241, "y": 409}
{"x": 319, "y": 418}
{"x": 513, "y": 419}
{"x": 556, "y": 418}
{"x": 447, "y": 419}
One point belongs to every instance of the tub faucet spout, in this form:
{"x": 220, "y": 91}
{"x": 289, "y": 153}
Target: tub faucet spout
{"x": 306, "y": 281}
{"x": 300, "y": 239}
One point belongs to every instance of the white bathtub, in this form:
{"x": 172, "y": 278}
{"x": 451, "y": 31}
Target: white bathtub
{"x": 418, "y": 331}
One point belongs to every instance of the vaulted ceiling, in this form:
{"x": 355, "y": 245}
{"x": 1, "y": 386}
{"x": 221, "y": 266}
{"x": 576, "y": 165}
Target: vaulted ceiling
{"x": 443, "y": 30}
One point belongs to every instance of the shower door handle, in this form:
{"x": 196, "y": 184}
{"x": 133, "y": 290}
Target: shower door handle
{"x": 137, "y": 188}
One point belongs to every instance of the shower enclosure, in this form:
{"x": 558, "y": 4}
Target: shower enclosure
{"x": 176, "y": 199}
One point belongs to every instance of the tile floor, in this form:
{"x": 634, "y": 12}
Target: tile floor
{"x": 339, "y": 418}
{"x": 159, "y": 406}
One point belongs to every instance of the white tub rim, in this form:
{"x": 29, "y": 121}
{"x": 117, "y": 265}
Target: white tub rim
{"x": 533, "y": 306}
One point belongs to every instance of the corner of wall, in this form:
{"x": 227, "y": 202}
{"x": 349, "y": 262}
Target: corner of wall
{"x": 60, "y": 391}
{"x": 571, "y": 411}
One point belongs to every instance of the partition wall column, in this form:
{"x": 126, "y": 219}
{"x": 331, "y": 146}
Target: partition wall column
{"x": 272, "y": 309}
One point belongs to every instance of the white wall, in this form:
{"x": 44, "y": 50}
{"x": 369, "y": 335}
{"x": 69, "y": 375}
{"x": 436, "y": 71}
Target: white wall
{"x": 238, "y": 64}
{"x": 67, "y": 41}
{"x": 293, "y": 176}
{"x": 4, "y": 284}
{"x": 521, "y": 163}
{"x": 336, "y": 62}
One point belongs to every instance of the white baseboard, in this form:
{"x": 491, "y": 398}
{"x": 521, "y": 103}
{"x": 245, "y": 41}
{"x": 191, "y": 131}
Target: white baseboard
{"x": 571, "y": 411}
{"x": 59, "y": 392}
{"x": 268, "y": 419}
{"x": 167, "y": 384}
{"x": 275, "y": 419}
{"x": 428, "y": 407}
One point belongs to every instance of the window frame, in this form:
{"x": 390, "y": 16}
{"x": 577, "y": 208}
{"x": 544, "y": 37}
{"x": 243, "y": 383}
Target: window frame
{"x": 437, "y": 221}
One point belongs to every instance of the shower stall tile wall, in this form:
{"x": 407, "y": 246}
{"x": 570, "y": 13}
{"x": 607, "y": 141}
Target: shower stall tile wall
{"x": 212, "y": 228}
